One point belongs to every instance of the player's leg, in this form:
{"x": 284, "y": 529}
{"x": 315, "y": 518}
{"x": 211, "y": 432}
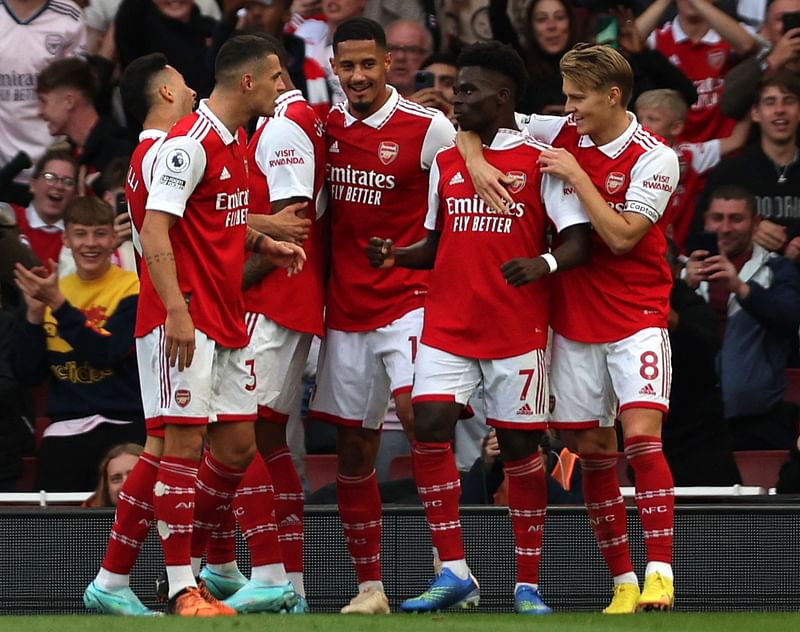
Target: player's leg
{"x": 442, "y": 387}
{"x": 641, "y": 370}
{"x": 585, "y": 404}
{"x": 352, "y": 391}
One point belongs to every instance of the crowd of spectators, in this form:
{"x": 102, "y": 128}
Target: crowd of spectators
{"x": 718, "y": 81}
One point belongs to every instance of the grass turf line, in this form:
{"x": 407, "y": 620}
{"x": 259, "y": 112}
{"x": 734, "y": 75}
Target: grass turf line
{"x": 568, "y": 622}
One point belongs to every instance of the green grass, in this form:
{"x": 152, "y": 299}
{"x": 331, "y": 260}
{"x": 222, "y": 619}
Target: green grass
{"x": 701, "y": 622}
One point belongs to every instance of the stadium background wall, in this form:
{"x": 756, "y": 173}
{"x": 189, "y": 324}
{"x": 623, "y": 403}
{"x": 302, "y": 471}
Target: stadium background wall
{"x": 727, "y": 557}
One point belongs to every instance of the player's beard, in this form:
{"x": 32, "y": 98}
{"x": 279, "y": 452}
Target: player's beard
{"x": 362, "y": 107}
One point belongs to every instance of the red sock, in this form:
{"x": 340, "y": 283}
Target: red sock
{"x": 606, "y": 510}
{"x": 221, "y": 547}
{"x": 288, "y": 507}
{"x": 439, "y": 489}
{"x": 133, "y": 516}
{"x": 527, "y": 504}
{"x": 173, "y": 504}
{"x": 655, "y": 495}
{"x": 255, "y": 510}
{"x": 216, "y": 486}
{"x": 360, "y": 512}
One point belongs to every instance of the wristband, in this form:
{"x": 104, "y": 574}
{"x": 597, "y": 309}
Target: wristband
{"x": 551, "y": 261}
{"x": 257, "y": 243}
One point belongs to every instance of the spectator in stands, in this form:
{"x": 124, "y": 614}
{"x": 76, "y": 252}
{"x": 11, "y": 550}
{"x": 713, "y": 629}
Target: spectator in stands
{"x": 173, "y": 27}
{"x": 34, "y": 34}
{"x": 409, "y": 43}
{"x": 697, "y": 443}
{"x": 53, "y": 187}
{"x": 664, "y": 112}
{"x": 112, "y": 473}
{"x": 756, "y": 294}
{"x": 769, "y": 169}
{"x": 271, "y": 17}
{"x": 66, "y": 90}
{"x": 78, "y": 334}
{"x": 440, "y": 96}
{"x": 782, "y": 52}
{"x": 702, "y": 41}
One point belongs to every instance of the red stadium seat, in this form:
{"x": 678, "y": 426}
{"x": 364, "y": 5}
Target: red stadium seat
{"x": 41, "y": 425}
{"x": 28, "y": 477}
{"x": 320, "y": 470}
{"x": 793, "y": 388}
{"x": 400, "y": 468}
{"x": 760, "y": 468}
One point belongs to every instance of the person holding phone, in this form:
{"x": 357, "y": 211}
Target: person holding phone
{"x": 433, "y": 83}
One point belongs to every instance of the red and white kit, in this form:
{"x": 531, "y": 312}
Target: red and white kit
{"x": 284, "y": 313}
{"x": 705, "y": 63}
{"x": 614, "y": 299}
{"x": 200, "y": 176}
{"x": 377, "y": 172}
{"x": 494, "y": 333}
{"x": 137, "y": 183}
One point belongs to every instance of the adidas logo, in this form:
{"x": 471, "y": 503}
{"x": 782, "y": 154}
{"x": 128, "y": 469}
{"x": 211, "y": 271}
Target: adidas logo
{"x": 457, "y": 179}
{"x": 647, "y": 389}
{"x": 289, "y": 520}
{"x": 334, "y": 148}
{"x": 525, "y": 410}
{"x": 225, "y": 175}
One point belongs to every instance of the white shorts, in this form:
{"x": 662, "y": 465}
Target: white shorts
{"x": 280, "y": 356}
{"x": 358, "y": 371}
{"x": 220, "y": 384}
{"x": 592, "y": 383}
{"x": 514, "y": 389}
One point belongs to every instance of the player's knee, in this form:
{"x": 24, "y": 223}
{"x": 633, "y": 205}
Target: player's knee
{"x": 236, "y": 455}
{"x": 357, "y": 450}
{"x": 185, "y": 442}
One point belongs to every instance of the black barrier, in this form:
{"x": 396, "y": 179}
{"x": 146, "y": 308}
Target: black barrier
{"x": 727, "y": 557}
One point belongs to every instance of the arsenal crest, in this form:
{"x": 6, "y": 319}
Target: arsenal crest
{"x": 519, "y": 181}
{"x": 53, "y": 43}
{"x": 614, "y": 181}
{"x": 716, "y": 58}
{"x": 182, "y": 397}
{"x": 387, "y": 151}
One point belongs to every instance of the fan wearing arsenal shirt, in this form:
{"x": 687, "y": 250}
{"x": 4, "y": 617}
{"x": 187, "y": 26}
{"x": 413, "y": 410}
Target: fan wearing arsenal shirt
{"x": 157, "y": 95}
{"x": 611, "y": 353}
{"x": 191, "y": 334}
{"x": 458, "y": 351}
{"x": 380, "y": 147}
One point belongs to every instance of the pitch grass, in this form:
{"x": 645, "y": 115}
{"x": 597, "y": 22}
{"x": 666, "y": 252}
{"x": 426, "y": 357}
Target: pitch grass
{"x": 668, "y": 622}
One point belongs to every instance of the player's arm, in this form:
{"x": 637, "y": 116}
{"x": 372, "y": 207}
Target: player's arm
{"x": 382, "y": 253}
{"x": 287, "y": 222}
{"x": 490, "y": 183}
{"x": 281, "y": 254}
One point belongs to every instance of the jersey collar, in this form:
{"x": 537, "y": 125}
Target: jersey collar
{"x": 679, "y": 35}
{"x": 290, "y": 96}
{"x": 147, "y": 134}
{"x": 615, "y": 147}
{"x": 37, "y": 223}
{"x": 380, "y": 117}
{"x": 507, "y": 138}
{"x": 219, "y": 126}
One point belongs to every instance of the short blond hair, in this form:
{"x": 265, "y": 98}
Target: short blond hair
{"x": 670, "y": 100}
{"x": 597, "y": 66}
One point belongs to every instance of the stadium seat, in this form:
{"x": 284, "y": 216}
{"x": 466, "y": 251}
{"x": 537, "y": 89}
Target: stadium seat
{"x": 28, "y": 477}
{"x": 320, "y": 470}
{"x": 793, "y": 387}
{"x": 760, "y": 468}
{"x": 41, "y": 424}
{"x": 400, "y": 468}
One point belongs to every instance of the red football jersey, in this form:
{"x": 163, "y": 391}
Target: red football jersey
{"x": 705, "y": 63}
{"x": 696, "y": 160}
{"x": 377, "y": 173}
{"x": 289, "y": 151}
{"x": 45, "y": 240}
{"x": 137, "y": 183}
{"x": 614, "y": 296}
{"x": 200, "y": 175}
{"x": 491, "y": 319}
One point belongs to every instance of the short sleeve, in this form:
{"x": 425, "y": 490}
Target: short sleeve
{"x": 545, "y": 128}
{"x": 432, "y": 220}
{"x": 178, "y": 169}
{"x": 654, "y": 178}
{"x": 440, "y": 134}
{"x": 285, "y": 154}
{"x": 561, "y": 203}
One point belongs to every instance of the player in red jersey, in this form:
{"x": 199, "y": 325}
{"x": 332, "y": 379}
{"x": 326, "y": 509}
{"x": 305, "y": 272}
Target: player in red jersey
{"x": 157, "y": 95}
{"x": 611, "y": 354}
{"x": 380, "y": 147}
{"x": 283, "y": 314}
{"x": 459, "y": 348}
{"x": 191, "y": 334}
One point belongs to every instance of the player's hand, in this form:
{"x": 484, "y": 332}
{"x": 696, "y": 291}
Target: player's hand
{"x": 696, "y": 268}
{"x": 560, "y": 163}
{"x": 122, "y": 228}
{"x": 380, "y": 252}
{"x": 490, "y": 183}
{"x": 179, "y": 338}
{"x": 770, "y": 235}
{"x": 792, "y": 252}
{"x": 521, "y": 271}
{"x": 284, "y": 254}
{"x": 287, "y": 225}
